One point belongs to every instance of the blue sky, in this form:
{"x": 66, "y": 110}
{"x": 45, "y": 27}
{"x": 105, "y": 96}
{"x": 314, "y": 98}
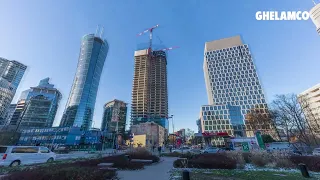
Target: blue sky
{"x": 45, "y": 35}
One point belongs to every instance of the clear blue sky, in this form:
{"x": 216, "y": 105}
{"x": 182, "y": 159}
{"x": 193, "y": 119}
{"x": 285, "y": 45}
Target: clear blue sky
{"x": 45, "y": 35}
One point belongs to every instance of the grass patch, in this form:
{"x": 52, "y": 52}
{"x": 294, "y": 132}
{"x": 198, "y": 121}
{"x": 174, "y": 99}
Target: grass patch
{"x": 240, "y": 175}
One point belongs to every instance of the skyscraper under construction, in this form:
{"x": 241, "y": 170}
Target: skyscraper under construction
{"x": 149, "y": 91}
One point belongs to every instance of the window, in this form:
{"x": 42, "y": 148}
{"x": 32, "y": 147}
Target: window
{"x": 3, "y": 149}
{"x": 25, "y": 150}
{"x": 44, "y": 150}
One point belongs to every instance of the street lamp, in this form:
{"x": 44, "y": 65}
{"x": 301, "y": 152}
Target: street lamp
{"x": 55, "y": 134}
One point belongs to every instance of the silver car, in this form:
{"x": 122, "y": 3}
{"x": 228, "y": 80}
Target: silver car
{"x": 182, "y": 150}
{"x": 25, "y": 155}
{"x": 212, "y": 150}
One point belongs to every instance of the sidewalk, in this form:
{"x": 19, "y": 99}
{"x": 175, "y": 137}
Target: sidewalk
{"x": 158, "y": 171}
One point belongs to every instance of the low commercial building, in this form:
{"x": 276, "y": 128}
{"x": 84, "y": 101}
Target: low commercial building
{"x": 64, "y": 136}
{"x": 155, "y": 134}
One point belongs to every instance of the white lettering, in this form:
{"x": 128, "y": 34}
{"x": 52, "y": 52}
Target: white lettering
{"x": 272, "y": 15}
{"x": 276, "y": 17}
{"x": 305, "y": 15}
{"x": 265, "y": 15}
{"x": 258, "y": 15}
{"x": 291, "y": 15}
{"x": 283, "y": 16}
{"x": 298, "y": 15}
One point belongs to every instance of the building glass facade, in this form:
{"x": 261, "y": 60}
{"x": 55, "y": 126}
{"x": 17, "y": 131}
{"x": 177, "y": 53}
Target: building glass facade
{"x": 11, "y": 73}
{"x": 38, "y": 108}
{"x": 114, "y": 116}
{"x": 60, "y": 136}
{"x": 233, "y": 86}
{"x": 82, "y": 98}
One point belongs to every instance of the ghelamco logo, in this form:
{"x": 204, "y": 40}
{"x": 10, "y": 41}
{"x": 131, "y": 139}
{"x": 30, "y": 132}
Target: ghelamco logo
{"x": 282, "y": 15}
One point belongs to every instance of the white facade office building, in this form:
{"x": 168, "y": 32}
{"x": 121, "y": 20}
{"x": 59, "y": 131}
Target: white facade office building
{"x": 233, "y": 88}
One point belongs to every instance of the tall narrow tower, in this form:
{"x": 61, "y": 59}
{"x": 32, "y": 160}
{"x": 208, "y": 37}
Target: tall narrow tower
{"x": 80, "y": 106}
{"x": 149, "y": 91}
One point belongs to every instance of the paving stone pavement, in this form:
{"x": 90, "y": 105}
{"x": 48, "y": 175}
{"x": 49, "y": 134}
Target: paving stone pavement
{"x": 159, "y": 171}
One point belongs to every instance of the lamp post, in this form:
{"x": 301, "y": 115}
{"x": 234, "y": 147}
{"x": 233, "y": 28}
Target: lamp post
{"x": 172, "y": 127}
{"x": 55, "y": 134}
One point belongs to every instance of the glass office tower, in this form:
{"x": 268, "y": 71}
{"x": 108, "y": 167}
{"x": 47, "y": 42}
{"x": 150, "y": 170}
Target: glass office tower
{"x": 80, "y": 106}
{"x": 11, "y": 73}
{"x": 233, "y": 88}
{"x": 37, "y": 107}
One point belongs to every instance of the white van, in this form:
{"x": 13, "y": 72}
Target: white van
{"x": 24, "y": 155}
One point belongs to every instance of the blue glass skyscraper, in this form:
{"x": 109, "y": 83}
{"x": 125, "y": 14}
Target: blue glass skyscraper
{"x": 80, "y": 106}
{"x": 11, "y": 73}
{"x": 37, "y": 106}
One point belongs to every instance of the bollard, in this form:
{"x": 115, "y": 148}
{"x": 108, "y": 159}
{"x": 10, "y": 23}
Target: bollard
{"x": 304, "y": 170}
{"x": 186, "y": 175}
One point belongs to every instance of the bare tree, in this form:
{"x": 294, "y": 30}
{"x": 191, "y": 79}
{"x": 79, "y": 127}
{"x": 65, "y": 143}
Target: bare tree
{"x": 260, "y": 119}
{"x": 288, "y": 114}
{"x": 310, "y": 113}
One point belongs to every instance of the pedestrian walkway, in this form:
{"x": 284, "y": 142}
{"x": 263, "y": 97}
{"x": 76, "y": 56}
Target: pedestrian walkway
{"x": 159, "y": 171}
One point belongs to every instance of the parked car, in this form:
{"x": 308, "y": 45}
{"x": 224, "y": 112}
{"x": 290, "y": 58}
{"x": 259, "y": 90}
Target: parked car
{"x": 195, "y": 151}
{"x": 62, "y": 150}
{"x": 316, "y": 152}
{"x": 25, "y": 155}
{"x": 182, "y": 150}
{"x": 212, "y": 150}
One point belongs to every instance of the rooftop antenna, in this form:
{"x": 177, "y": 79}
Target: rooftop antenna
{"x": 97, "y": 30}
{"x": 101, "y": 33}
{"x": 314, "y": 2}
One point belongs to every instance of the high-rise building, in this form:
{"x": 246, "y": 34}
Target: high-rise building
{"x": 114, "y": 117}
{"x": 38, "y": 106}
{"x": 11, "y": 73}
{"x": 310, "y": 103}
{"x": 149, "y": 92}
{"x": 15, "y": 119}
{"x": 80, "y": 106}
{"x": 315, "y": 16}
{"x": 9, "y": 113}
{"x": 233, "y": 88}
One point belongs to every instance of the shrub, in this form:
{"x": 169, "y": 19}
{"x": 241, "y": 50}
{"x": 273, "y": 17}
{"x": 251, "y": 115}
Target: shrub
{"x": 260, "y": 158}
{"x": 312, "y": 162}
{"x": 67, "y": 173}
{"x": 213, "y": 161}
{"x": 179, "y": 163}
{"x": 246, "y": 157}
{"x": 281, "y": 159}
{"x": 143, "y": 153}
{"x": 238, "y": 157}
